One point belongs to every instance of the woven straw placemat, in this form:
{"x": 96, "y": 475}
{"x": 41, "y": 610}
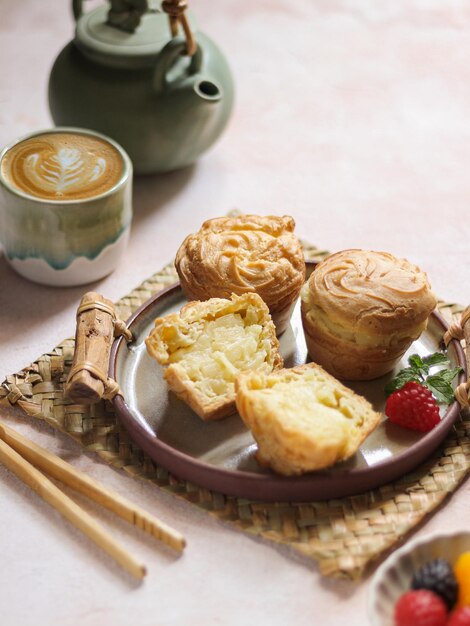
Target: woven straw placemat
{"x": 343, "y": 535}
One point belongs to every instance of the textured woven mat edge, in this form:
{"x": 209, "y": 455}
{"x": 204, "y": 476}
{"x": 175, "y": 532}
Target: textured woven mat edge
{"x": 344, "y": 536}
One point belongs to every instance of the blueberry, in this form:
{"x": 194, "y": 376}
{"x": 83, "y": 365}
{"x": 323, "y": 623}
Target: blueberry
{"x": 437, "y": 576}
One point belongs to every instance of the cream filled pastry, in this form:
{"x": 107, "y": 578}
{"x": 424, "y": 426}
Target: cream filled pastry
{"x": 244, "y": 254}
{"x": 207, "y": 344}
{"x": 302, "y": 418}
{"x": 361, "y": 310}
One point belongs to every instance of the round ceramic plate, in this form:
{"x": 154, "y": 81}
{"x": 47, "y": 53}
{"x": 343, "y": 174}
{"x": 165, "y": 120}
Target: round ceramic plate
{"x": 393, "y": 578}
{"x": 221, "y": 455}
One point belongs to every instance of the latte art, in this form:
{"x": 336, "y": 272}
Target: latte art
{"x": 62, "y": 166}
{"x": 63, "y": 170}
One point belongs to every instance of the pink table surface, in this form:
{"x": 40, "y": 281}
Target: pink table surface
{"x": 352, "y": 116}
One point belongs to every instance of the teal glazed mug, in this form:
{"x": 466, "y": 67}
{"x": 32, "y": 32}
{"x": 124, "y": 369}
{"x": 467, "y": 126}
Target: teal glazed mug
{"x": 65, "y": 205}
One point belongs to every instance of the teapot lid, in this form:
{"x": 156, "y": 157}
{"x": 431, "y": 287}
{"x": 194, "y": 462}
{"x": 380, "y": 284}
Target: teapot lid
{"x": 112, "y": 46}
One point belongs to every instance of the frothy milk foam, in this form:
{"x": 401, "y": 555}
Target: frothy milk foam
{"x": 62, "y": 166}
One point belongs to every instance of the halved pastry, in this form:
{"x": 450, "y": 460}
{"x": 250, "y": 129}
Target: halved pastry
{"x": 245, "y": 254}
{"x": 207, "y": 344}
{"x": 302, "y": 418}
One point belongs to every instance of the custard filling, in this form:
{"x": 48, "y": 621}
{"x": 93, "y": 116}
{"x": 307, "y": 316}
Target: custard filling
{"x": 311, "y": 399}
{"x": 317, "y": 316}
{"x": 213, "y": 352}
{"x": 299, "y": 416}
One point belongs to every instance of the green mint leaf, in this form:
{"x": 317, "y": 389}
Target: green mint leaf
{"x": 436, "y": 359}
{"x": 441, "y": 389}
{"x": 448, "y": 375}
{"x": 416, "y": 363}
{"x": 439, "y": 383}
{"x": 404, "y": 376}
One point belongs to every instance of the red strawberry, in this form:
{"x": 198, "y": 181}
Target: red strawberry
{"x": 413, "y": 406}
{"x": 420, "y": 608}
{"x": 460, "y": 617}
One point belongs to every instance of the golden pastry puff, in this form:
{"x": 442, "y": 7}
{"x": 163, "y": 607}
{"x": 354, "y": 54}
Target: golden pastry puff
{"x": 207, "y": 344}
{"x": 361, "y": 310}
{"x": 244, "y": 254}
{"x": 302, "y": 418}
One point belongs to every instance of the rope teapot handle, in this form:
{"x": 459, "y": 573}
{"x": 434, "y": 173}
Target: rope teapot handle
{"x": 176, "y": 10}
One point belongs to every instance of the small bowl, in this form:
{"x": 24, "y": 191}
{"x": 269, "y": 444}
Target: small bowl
{"x": 393, "y": 578}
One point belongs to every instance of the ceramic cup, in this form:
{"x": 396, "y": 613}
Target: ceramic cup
{"x": 64, "y": 240}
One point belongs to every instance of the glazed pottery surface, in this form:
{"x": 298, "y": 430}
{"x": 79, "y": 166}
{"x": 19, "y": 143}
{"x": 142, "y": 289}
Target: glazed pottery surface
{"x": 66, "y": 242}
{"x": 140, "y": 88}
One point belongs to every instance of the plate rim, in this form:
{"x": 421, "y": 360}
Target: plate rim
{"x": 278, "y": 488}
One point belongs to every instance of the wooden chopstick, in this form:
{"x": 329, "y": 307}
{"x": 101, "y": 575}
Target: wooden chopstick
{"x": 66, "y": 473}
{"x": 68, "y": 508}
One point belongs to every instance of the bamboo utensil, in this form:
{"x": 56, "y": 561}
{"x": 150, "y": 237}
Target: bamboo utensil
{"x": 20, "y": 455}
{"x": 97, "y": 325}
{"x": 67, "y": 507}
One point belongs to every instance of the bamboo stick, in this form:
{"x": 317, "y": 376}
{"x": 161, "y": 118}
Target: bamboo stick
{"x": 66, "y": 473}
{"x": 69, "y": 509}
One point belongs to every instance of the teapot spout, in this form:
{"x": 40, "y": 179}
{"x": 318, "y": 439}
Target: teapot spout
{"x": 207, "y": 90}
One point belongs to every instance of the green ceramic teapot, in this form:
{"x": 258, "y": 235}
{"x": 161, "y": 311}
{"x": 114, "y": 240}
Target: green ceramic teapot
{"x": 127, "y": 76}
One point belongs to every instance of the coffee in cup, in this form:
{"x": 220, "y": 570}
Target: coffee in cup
{"x": 62, "y": 166}
{"x": 65, "y": 205}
